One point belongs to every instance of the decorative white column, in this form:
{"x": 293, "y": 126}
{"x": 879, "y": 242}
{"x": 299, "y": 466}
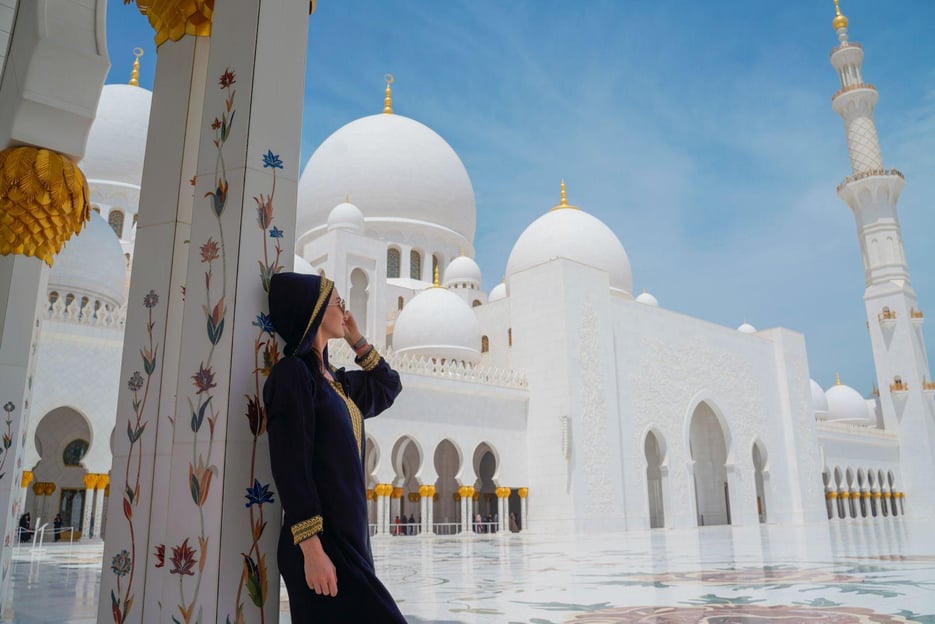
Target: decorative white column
{"x": 524, "y": 518}
{"x": 97, "y": 520}
{"x": 226, "y": 116}
{"x": 90, "y": 483}
{"x": 427, "y": 492}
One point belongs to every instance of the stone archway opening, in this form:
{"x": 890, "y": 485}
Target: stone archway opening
{"x": 653, "y": 449}
{"x": 63, "y": 438}
{"x": 447, "y": 466}
{"x": 708, "y": 446}
{"x": 407, "y": 462}
{"x": 760, "y": 475}
{"x": 485, "y": 490}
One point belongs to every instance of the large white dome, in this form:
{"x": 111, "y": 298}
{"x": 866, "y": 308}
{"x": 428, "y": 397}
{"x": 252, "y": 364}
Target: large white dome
{"x": 846, "y": 405}
{"x": 117, "y": 140}
{"x": 438, "y": 324}
{"x": 92, "y": 264}
{"x": 566, "y": 232}
{"x": 395, "y": 169}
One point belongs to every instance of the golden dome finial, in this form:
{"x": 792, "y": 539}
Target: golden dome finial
{"x": 388, "y": 96}
{"x": 135, "y": 73}
{"x": 564, "y": 199}
{"x": 837, "y": 376}
{"x": 435, "y": 280}
{"x": 839, "y": 20}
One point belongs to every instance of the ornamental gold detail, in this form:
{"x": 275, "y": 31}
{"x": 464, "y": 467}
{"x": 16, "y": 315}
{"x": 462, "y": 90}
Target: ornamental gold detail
{"x": 173, "y": 19}
{"x": 523, "y": 492}
{"x": 44, "y": 201}
{"x": 26, "y": 479}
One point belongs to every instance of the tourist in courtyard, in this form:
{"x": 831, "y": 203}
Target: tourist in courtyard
{"x": 25, "y": 533}
{"x": 57, "y": 526}
{"x": 316, "y": 431}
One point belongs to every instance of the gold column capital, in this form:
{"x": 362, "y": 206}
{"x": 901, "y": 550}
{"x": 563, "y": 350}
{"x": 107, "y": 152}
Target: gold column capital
{"x": 103, "y": 480}
{"x": 90, "y": 481}
{"x": 26, "y": 478}
{"x": 396, "y": 492}
{"x": 523, "y": 492}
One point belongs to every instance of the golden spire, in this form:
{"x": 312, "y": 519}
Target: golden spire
{"x": 839, "y": 20}
{"x": 135, "y": 74}
{"x": 435, "y": 281}
{"x": 388, "y": 96}
{"x": 564, "y": 200}
{"x": 347, "y": 199}
{"x": 837, "y": 376}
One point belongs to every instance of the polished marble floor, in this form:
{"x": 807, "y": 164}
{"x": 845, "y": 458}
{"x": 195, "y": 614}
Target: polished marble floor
{"x": 880, "y": 570}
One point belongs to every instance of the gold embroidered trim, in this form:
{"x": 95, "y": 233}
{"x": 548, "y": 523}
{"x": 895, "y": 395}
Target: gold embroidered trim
{"x": 369, "y": 361}
{"x": 324, "y": 291}
{"x": 356, "y": 418}
{"x": 301, "y": 531}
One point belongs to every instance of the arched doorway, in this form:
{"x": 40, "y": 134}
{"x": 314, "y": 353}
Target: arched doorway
{"x": 447, "y": 466}
{"x": 407, "y": 461}
{"x": 485, "y": 467}
{"x": 62, "y": 439}
{"x": 357, "y": 298}
{"x": 759, "y": 469}
{"x": 655, "y": 454}
{"x": 709, "y": 453}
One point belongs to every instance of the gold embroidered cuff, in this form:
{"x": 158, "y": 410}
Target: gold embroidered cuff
{"x": 369, "y": 361}
{"x": 301, "y": 531}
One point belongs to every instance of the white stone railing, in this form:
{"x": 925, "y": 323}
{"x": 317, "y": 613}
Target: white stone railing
{"x": 838, "y": 427}
{"x": 74, "y": 312}
{"x": 341, "y": 355}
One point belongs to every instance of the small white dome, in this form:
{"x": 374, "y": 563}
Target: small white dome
{"x": 92, "y": 263}
{"x": 819, "y": 400}
{"x": 463, "y": 269}
{"x": 117, "y": 139}
{"x": 400, "y": 170}
{"x": 647, "y": 299}
{"x": 498, "y": 293}
{"x": 346, "y": 216}
{"x": 746, "y": 328}
{"x": 437, "y": 323}
{"x": 846, "y": 405}
{"x": 576, "y": 235}
{"x": 301, "y": 265}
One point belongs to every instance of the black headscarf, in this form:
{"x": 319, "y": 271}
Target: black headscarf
{"x": 297, "y": 304}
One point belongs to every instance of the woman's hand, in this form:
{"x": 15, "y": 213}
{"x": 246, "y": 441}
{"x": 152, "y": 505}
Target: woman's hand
{"x": 320, "y": 573}
{"x": 351, "y": 332}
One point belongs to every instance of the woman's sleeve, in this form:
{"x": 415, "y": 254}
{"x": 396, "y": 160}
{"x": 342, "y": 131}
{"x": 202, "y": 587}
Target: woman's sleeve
{"x": 289, "y": 396}
{"x": 373, "y": 388}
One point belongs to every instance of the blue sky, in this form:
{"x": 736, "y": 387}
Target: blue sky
{"x": 701, "y": 132}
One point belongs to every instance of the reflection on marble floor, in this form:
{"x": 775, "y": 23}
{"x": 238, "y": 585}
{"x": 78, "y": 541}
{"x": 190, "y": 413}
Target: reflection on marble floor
{"x": 880, "y": 570}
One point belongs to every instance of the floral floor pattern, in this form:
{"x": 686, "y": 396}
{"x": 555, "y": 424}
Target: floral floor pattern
{"x": 851, "y": 572}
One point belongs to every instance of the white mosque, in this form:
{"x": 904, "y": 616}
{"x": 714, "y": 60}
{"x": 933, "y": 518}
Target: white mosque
{"x": 560, "y": 397}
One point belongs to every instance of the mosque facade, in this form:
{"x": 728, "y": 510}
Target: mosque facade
{"x": 561, "y": 397}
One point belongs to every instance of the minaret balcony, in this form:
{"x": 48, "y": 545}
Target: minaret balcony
{"x": 869, "y": 173}
{"x": 917, "y": 316}
{"x": 846, "y": 44}
{"x": 928, "y": 387}
{"x": 853, "y": 87}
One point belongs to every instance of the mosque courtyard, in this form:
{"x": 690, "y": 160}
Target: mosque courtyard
{"x": 862, "y": 570}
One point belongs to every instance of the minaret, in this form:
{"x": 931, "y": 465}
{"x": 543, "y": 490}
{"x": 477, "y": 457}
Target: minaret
{"x": 894, "y": 318}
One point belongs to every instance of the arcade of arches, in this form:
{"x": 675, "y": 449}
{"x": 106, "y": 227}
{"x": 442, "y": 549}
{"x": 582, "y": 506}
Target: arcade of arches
{"x": 862, "y": 493}
{"x": 465, "y": 497}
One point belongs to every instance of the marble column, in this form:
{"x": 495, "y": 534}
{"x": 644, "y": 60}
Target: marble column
{"x": 43, "y": 110}
{"x": 218, "y": 197}
{"x": 97, "y": 519}
{"x": 427, "y": 492}
{"x": 90, "y": 483}
{"x": 524, "y": 517}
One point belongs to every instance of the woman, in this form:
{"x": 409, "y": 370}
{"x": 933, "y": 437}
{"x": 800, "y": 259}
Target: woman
{"x": 315, "y": 421}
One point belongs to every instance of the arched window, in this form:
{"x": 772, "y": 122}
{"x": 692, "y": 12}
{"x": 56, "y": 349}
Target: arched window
{"x": 476, "y": 303}
{"x": 484, "y": 344}
{"x": 74, "y": 452}
{"x": 435, "y": 267}
{"x": 115, "y": 220}
{"x": 415, "y": 265}
{"x": 400, "y": 303}
{"x": 509, "y": 337}
{"x": 392, "y": 262}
